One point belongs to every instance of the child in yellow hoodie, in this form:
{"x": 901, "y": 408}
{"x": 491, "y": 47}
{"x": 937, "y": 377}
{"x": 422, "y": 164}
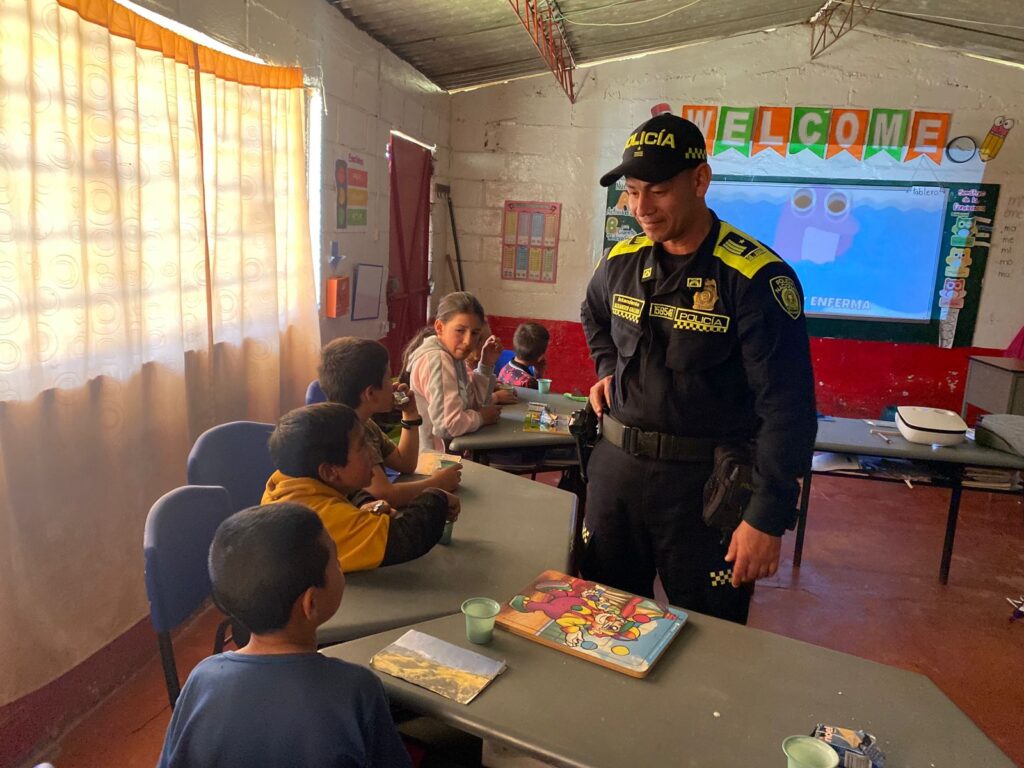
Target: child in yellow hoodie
{"x": 321, "y": 456}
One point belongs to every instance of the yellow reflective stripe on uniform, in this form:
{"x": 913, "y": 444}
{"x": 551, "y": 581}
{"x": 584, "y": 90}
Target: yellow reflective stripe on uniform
{"x": 741, "y": 252}
{"x": 632, "y": 245}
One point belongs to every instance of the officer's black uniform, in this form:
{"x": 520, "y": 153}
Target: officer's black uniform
{"x": 711, "y": 346}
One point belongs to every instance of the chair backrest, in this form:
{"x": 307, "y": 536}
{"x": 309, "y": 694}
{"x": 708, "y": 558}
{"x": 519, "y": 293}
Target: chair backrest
{"x": 233, "y": 456}
{"x": 504, "y": 359}
{"x": 176, "y": 542}
{"x": 314, "y": 394}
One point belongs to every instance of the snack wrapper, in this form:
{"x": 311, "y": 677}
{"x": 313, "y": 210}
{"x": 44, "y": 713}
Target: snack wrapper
{"x": 857, "y": 749}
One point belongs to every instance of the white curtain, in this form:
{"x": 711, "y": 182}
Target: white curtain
{"x": 155, "y": 279}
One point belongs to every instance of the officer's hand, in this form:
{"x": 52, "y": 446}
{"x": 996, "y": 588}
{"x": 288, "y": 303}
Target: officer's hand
{"x": 754, "y": 555}
{"x": 601, "y": 395}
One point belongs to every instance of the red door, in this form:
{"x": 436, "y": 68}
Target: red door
{"x": 407, "y": 287}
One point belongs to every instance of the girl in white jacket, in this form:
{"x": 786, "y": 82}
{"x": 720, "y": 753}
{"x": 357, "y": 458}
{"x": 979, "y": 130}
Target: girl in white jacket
{"x": 457, "y": 402}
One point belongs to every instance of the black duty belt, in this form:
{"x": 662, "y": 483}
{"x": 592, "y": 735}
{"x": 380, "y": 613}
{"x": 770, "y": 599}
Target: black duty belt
{"x": 656, "y": 445}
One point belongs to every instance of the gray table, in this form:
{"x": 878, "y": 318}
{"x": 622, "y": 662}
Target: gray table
{"x": 509, "y": 531}
{"x": 853, "y": 437}
{"x": 508, "y": 433}
{"x": 722, "y": 696}
{"x": 994, "y": 384}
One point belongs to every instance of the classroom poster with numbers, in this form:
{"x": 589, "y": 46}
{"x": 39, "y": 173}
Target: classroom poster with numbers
{"x": 529, "y": 241}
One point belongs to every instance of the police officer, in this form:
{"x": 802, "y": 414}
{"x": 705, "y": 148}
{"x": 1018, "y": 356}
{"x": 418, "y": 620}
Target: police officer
{"x": 699, "y": 338}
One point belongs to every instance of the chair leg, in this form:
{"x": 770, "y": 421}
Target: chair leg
{"x": 170, "y": 669}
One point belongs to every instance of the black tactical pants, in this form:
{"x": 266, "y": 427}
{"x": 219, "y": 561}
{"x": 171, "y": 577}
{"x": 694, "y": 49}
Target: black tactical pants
{"x": 644, "y": 517}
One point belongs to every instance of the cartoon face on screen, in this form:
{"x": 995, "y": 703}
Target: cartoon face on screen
{"x": 817, "y": 225}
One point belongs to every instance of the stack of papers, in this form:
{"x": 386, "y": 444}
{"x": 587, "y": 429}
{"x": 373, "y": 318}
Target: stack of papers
{"x": 991, "y": 477}
{"x": 834, "y": 462}
{"x": 455, "y": 673}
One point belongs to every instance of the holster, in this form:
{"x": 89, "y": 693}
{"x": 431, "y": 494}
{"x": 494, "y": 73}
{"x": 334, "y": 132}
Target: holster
{"x": 584, "y": 427}
{"x": 730, "y": 487}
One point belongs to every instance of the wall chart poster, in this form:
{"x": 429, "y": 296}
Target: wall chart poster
{"x": 352, "y": 183}
{"x": 529, "y": 241}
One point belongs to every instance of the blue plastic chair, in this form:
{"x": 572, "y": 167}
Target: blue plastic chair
{"x": 314, "y": 394}
{"x": 176, "y": 542}
{"x": 233, "y": 456}
{"x": 504, "y": 359}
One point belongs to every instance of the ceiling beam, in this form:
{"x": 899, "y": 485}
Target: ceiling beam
{"x": 835, "y": 19}
{"x": 549, "y": 37}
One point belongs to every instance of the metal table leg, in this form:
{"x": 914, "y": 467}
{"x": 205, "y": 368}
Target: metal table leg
{"x": 954, "y": 511}
{"x": 801, "y": 521}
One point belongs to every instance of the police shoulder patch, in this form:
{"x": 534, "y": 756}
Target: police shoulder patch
{"x": 632, "y": 245}
{"x": 786, "y": 295}
{"x": 742, "y": 252}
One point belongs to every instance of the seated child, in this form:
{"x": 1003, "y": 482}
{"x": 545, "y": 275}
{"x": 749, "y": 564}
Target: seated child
{"x": 357, "y": 373}
{"x": 531, "y": 345}
{"x": 501, "y": 395}
{"x": 277, "y": 701}
{"x": 456, "y": 403}
{"x": 321, "y": 456}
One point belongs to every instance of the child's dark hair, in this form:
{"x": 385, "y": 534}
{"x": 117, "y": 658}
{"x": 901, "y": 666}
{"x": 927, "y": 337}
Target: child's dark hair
{"x": 460, "y": 303}
{"x": 414, "y": 343}
{"x": 262, "y": 559}
{"x": 531, "y": 342}
{"x": 348, "y": 366}
{"x": 309, "y": 436}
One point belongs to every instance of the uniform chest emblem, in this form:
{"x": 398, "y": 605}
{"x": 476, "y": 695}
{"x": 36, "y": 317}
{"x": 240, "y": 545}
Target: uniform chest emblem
{"x": 706, "y": 298}
{"x": 694, "y": 282}
{"x": 785, "y": 293}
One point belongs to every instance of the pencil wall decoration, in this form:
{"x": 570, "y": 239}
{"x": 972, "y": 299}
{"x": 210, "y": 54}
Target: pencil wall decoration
{"x": 993, "y": 142}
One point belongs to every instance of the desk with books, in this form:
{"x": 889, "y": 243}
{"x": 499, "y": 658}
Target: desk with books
{"x": 509, "y": 530}
{"x": 721, "y": 696}
{"x": 509, "y": 434}
{"x": 946, "y": 465}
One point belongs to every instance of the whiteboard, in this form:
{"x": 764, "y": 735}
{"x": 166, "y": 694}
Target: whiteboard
{"x": 366, "y": 295}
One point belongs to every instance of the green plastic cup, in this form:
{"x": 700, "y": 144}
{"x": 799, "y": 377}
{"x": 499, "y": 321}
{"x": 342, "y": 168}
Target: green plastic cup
{"x": 446, "y": 536}
{"x": 809, "y": 752}
{"x": 543, "y": 386}
{"x": 480, "y": 613}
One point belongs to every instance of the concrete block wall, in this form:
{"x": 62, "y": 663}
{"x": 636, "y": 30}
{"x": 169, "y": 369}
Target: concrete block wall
{"x": 524, "y": 141}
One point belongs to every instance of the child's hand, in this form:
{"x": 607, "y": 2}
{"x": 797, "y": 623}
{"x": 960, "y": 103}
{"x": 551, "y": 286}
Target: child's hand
{"x": 540, "y": 366}
{"x": 447, "y": 479}
{"x": 490, "y": 352}
{"x": 490, "y": 414}
{"x": 409, "y": 409}
{"x": 377, "y": 508}
{"x": 504, "y": 397}
{"x": 454, "y": 507}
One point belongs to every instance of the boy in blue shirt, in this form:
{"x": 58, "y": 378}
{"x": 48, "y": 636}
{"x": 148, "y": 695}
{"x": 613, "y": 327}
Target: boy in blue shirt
{"x": 277, "y": 702}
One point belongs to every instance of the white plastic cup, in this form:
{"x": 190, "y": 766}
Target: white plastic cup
{"x": 809, "y": 752}
{"x": 543, "y": 386}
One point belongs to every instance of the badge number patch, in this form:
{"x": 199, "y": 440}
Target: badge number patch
{"x": 785, "y": 293}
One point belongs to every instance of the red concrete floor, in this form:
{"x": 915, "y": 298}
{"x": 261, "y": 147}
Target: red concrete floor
{"x": 868, "y": 586}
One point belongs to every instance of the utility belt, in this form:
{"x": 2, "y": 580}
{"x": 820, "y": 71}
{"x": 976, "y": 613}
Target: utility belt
{"x": 728, "y": 489}
{"x": 656, "y": 445}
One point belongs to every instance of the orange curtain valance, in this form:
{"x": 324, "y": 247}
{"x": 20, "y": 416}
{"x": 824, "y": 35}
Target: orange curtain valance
{"x": 150, "y": 36}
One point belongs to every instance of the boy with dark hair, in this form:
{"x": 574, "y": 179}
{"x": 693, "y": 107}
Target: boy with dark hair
{"x": 531, "y": 345}
{"x": 356, "y": 372}
{"x": 321, "y": 457}
{"x": 277, "y": 701}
